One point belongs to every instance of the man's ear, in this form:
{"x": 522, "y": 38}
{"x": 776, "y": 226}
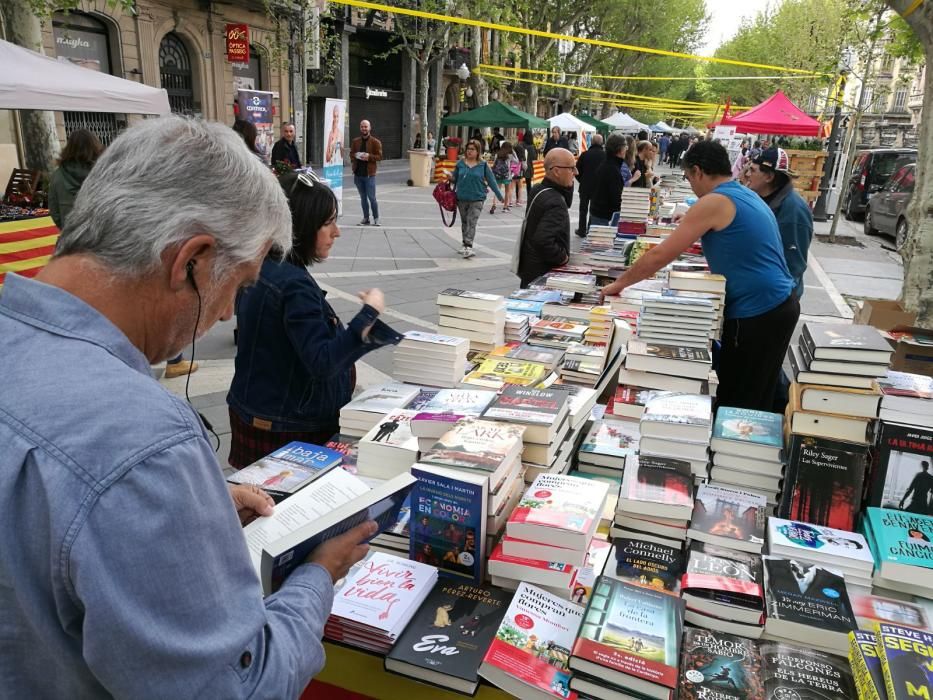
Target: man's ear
{"x": 195, "y": 254}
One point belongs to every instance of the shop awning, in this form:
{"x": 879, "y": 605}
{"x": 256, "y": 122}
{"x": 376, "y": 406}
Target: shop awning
{"x": 495, "y": 114}
{"x": 776, "y": 115}
{"x": 32, "y": 81}
{"x": 569, "y": 122}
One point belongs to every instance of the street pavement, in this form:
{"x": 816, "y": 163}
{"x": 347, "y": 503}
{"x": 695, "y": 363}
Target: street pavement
{"x": 412, "y": 257}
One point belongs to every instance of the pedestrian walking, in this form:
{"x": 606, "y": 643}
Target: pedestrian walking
{"x": 502, "y": 172}
{"x": 367, "y": 152}
{"x": 587, "y": 166}
{"x": 531, "y": 155}
{"x": 78, "y": 157}
{"x": 608, "y": 184}
{"x": 470, "y": 178}
{"x": 664, "y": 143}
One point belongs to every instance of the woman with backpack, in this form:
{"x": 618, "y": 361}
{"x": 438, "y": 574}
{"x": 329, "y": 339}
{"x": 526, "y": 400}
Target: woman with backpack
{"x": 470, "y": 179}
{"x": 503, "y": 169}
{"x": 522, "y": 154}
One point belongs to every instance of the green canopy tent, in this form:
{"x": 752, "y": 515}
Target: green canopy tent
{"x": 602, "y": 127}
{"x": 495, "y": 114}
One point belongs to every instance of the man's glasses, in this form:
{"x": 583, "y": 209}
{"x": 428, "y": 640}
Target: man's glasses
{"x": 308, "y": 179}
{"x": 564, "y": 167}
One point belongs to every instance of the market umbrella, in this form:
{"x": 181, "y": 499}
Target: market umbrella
{"x": 776, "y": 115}
{"x": 661, "y": 128}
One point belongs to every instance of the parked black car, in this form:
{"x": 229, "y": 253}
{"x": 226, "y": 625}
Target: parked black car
{"x": 870, "y": 172}
{"x": 887, "y": 208}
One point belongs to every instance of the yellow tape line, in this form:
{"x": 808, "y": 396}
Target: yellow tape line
{"x": 651, "y": 77}
{"x": 562, "y": 37}
{"x": 910, "y": 10}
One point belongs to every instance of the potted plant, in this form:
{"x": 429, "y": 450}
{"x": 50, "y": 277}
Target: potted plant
{"x": 452, "y": 144}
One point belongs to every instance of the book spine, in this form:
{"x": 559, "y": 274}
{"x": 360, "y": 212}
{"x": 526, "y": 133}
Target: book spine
{"x": 806, "y": 339}
{"x": 885, "y": 667}
{"x": 864, "y": 685}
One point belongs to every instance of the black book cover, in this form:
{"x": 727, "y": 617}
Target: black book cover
{"x": 719, "y": 666}
{"x": 797, "y": 673}
{"x": 823, "y": 485}
{"x": 677, "y": 352}
{"x": 452, "y": 629}
{"x": 902, "y": 477}
{"x": 837, "y": 336}
{"x": 724, "y": 576}
{"x": 648, "y": 563}
{"x": 806, "y": 594}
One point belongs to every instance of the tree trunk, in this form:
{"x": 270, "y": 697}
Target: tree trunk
{"x": 477, "y": 82}
{"x": 424, "y": 85}
{"x": 917, "y": 252}
{"x": 40, "y": 139}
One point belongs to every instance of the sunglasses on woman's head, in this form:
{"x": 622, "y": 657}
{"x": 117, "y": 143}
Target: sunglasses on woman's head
{"x": 308, "y": 179}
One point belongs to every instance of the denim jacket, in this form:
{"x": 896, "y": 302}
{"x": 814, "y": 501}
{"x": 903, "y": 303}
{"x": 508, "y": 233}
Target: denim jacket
{"x": 294, "y": 356}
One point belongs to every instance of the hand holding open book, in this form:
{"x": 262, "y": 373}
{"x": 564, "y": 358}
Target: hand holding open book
{"x": 339, "y": 553}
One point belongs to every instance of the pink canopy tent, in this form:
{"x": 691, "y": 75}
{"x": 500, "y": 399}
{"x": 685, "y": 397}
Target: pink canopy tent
{"x": 776, "y": 115}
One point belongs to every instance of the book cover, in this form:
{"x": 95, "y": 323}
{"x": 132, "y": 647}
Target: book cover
{"x": 449, "y": 528}
{"x": 524, "y": 306}
{"x": 662, "y": 480}
{"x": 451, "y": 630}
{"x": 669, "y": 352}
{"x": 682, "y": 409}
{"x": 558, "y": 328}
{"x": 901, "y": 537}
{"x": 806, "y": 540}
{"x": 562, "y": 502}
{"x": 349, "y": 449}
{"x": 801, "y": 673}
{"x": 633, "y": 630}
{"x": 527, "y": 405}
{"x": 422, "y": 399}
{"x": 450, "y": 405}
{"x": 450, "y": 342}
{"x": 381, "y": 591}
{"x": 626, "y": 395}
{"x": 540, "y": 295}
{"x": 528, "y": 353}
{"x": 382, "y": 399}
{"x": 612, "y": 438}
{"x": 532, "y": 645}
{"x": 729, "y": 513}
{"x": 749, "y": 425}
{"x": 823, "y": 337}
{"x": 288, "y": 469}
{"x": 902, "y": 478}
{"x": 465, "y": 294}
{"x": 584, "y": 578}
{"x": 644, "y": 563}
{"x": 393, "y": 430}
{"x": 719, "y": 666}
{"x": 906, "y": 664}
{"x": 870, "y": 609}
{"x": 475, "y": 444}
{"x": 807, "y": 594}
{"x": 866, "y": 666}
{"x": 724, "y": 575}
{"x": 495, "y": 372}
{"x": 914, "y": 386}
{"x": 823, "y": 484}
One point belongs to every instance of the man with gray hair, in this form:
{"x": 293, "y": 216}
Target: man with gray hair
{"x": 124, "y": 571}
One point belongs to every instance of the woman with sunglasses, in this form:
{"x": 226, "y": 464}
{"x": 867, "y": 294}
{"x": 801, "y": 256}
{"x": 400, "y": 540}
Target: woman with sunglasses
{"x": 295, "y": 359}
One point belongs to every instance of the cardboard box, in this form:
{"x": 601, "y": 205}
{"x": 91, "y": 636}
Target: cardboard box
{"x": 909, "y": 355}
{"x": 884, "y": 314}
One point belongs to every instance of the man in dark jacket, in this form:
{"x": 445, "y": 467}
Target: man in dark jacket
{"x": 556, "y": 140}
{"x": 587, "y": 165}
{"x": 545, "y": 236}
{"x": 607, "y": 193}
{"x": 284, "y": 150}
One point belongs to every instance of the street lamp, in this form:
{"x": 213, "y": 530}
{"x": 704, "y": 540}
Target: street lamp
{"x": 463, "y": 72}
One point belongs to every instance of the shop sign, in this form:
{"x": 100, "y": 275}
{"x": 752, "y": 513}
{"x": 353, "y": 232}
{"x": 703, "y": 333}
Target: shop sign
{"x": 374, "y": 92}
{"x": 238, "y": 43}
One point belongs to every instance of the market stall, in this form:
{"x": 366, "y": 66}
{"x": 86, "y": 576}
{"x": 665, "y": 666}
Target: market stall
{"x": 601, "y": 126}
{"x": 568, "y": 122}
{"x": 661, "y": 128}
{"x": 620, "y": 121}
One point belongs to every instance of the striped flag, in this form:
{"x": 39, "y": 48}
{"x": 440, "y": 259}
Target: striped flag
{"x": 26, "y": 246}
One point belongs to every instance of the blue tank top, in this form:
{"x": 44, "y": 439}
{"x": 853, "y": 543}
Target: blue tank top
{"x": 749, "y": 254}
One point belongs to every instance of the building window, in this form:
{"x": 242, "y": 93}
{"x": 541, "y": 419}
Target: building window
{"x": 868, "y": 99}
{"x": 248, "y": 76}
{"x": 176, "y": 75}
{"x": 900, "y": 100}
{"x": 887, "y": 63}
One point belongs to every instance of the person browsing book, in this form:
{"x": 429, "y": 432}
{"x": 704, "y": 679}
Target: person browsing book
{"x": 294, "y": 367}
{"x": 741, "y": 241}
{"x": 124, "y": 571}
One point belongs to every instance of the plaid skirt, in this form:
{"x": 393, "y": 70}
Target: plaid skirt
{"x": 249, "y": 444}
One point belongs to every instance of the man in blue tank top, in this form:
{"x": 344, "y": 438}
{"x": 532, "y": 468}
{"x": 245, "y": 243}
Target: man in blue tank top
{"x": 741, "y": 241}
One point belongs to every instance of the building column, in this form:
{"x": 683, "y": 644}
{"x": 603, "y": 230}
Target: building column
{"x": 148, "y": 51}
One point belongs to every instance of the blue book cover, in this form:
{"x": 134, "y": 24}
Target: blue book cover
{"x": 900, "y": 537}
{"x": 448, "y": 521}
{"x": 541, "y": 295}
{"x": 524, "y": 306}
{"x": 288, "y": 469}
{"x": 749, "y": 425}
{"x": 905, "y": 661}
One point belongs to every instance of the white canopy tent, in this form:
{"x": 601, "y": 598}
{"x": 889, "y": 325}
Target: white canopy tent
{"x": 623, "y": 122}
{"x": 663, "y": 128}
{"x": 32, "y": 81}
{"x": 568, "y": 122}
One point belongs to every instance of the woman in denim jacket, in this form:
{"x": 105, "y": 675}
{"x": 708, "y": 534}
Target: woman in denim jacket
{"x": 295, "y": 359}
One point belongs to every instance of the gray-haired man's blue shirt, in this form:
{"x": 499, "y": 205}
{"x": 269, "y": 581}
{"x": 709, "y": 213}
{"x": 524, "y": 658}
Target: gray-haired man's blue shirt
{"x": 123, "y": 568}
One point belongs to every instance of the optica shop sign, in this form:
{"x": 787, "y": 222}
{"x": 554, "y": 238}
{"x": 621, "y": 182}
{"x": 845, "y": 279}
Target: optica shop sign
{"x": 238, "y": 43}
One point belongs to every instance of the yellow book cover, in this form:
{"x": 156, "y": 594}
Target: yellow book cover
{"x": 866, "y": 666}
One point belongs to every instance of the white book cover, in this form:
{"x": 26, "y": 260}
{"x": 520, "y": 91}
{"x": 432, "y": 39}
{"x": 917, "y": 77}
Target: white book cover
{"x": 382, "y": 399}
{"x": 555, "y": 504}
{"x": 807, "y": 541}
{"x": 435, "y": 339}
{"x": 383, "y": 592}
{"x": 393, "y": 431}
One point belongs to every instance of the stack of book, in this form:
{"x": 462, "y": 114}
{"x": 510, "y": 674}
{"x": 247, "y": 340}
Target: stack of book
{"x": 376, "y": 600}
{"x": 583, "y": 364}
{"x": 629, "y": 641}
{"x": 667, "y": 367}
{"x": 628, "y": 402}
{"x": 542, "y": 413}
{"x": 701, "y": 285}
{"x": 729, "y": 517}
{"x": 678, "y": 426}
{"x": 517, "y": 327}
{"x": 550, "y": 358}
{"x": 656, "y": 500}
{"x": 846, "y": 552}
{"x": 635, "y": 205}
{"x": 678, "y": 318}
{"x": 723, "y": 590}
{"x": 892, "y": 661}
{"x": 369, "y": 408}
{"x": 807, "y": 604}
{"x": 431, "y": 359}
{"x": 603, "y": 236}
{"x": 556, "y": 334}
{"x": 901, "y": 545}
{"x": 552, "y": 529}
{"x": 602, "y": 326}
{"x": 570, "y": 282}
{"x": 747, "y": 450}
{"x": 389, "y": 448}
{"x": 523, "y": 307}
{"x": 630, "y": 298}
{"x": 436, "y": 416}
{"x": 607, "y": 446}
{"x": 906, "y": 398}
{"x": 474, "y": 315}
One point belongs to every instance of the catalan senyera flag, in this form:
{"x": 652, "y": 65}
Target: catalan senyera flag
{"x": 26, "y": 246}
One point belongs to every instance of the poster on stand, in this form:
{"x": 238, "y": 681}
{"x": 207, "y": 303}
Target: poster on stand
{"x": 335, "y": 118}
{"x": 256, "y": 107}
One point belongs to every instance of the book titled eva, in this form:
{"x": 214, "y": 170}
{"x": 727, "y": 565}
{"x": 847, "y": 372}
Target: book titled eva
{"x": 449, "y": 520}
{"x": 630, "y": 636}
{"x": 445, "y": 641}
{"x": 528, "y": 656}
{"x": 330, "y": 506}
{"x": 288, "y": 469}
{"x": 563, "y": 511}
